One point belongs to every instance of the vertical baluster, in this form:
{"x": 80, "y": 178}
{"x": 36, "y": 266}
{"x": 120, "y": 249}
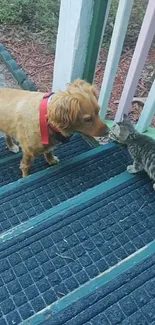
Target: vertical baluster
{"x": 100, "y": 15}
{"x": 119, "y": 32}
{"x": 147, "y": 112}
{"x": 142, "y": 47}
{"x": 81, "y": 25}
{"x": 72, "y": 40}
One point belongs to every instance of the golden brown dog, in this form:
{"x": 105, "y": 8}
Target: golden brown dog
{"x": 75, "y": 109}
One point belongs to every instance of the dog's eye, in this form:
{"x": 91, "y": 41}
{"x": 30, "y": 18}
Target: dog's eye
{"x": 88, "y": 119}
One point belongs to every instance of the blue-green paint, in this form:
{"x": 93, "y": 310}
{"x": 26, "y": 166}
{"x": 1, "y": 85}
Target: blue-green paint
{"x": 98, "y": 23}
{"x": 15, "y": 70}
{"x": 64, "y": 206}
{"x": 148, "y": 111}
{"x": 150, "y": 131}
{"x": 52, "y": 169}
{"x": 4, "y": 161}
{"x": 93, "y": 284}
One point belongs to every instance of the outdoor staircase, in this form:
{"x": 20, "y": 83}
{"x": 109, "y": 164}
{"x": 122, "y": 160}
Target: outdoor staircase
{"x": 77, "y": 239}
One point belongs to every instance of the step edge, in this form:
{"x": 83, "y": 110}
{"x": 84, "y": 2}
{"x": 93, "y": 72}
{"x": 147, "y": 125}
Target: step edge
{"x": 51, "y": 169}
{"x": 92, "y": 285}
{"x": 15, "y": 156}
{"x": 66, "y": 206}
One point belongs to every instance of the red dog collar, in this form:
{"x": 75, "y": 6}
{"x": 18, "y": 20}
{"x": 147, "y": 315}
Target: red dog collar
{"x": 44, "y": 123}
{"x": 43, "y": 119}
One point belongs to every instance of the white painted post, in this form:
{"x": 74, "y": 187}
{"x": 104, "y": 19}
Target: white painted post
{"x": 142, "y": 47}
{"x": 119, "y": 32}
{"x": 148, "y": 111}
{"x": 72, "y": 40}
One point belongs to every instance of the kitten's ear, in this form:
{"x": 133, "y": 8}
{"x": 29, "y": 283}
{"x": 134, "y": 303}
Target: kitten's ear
{"x": 125, "y": 117}
{"x": 127, "y": 120}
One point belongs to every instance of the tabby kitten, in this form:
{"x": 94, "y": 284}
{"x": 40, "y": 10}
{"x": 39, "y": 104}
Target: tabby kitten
{"x": 140, "y": 147}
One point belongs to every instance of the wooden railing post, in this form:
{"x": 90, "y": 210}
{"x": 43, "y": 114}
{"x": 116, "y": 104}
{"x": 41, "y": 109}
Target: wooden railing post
{"x": 148, "y": 111}
{"x": 142, "y": 47}
{"x": 81, "y": 24}
{"x": 100, "y": 15}
{"x": 72, "y": 40}
{"x": 118, "y": 36}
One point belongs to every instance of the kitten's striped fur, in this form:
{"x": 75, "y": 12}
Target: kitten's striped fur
{"x": 140, "y": 147}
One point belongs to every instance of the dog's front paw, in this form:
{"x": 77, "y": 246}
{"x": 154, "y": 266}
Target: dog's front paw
{"x": 14, "y": 148}
{"x": 54, "y": 160}
{"x": 131, "y": 169}
{"x": 51, "y": 159}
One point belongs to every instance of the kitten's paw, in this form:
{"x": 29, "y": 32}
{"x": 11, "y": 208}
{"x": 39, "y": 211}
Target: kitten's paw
{"x": 14, "y": 148}
{"x": 154, "y": 186}
{"x": 131, "y": 169}
{"x": 54, "y": 160}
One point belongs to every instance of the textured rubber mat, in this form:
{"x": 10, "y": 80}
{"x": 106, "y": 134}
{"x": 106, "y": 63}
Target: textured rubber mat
{"x": 10, "y": 172}
{"x": 4, "y": 152}
{"x": 30, "y": 199}
{"x": 73, "y": 147}
{"x": 127, "y": 300}
{"x": 54, "y": 258}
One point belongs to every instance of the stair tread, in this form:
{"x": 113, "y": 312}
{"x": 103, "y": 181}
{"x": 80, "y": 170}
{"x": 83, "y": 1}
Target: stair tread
{"x": 30, "y": 199}
{"x": 64, "y": 252}
{"x": 60, "y": 255}
{"x": 127, "y": 300}
{"x": 10, "y": 172}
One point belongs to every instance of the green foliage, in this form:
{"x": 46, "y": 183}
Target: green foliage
{"x": 41, "y": 16}
{"x": 135, "y": 22}
{"x": 37, "y": 15}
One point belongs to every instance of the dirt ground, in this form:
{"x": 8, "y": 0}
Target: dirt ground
{"x": 37, "y": 59}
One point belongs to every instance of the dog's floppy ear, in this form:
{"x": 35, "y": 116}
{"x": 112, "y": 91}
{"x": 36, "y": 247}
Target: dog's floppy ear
{"x": 94, "y": 91}
{"x": 63, "y": 111}
{"x": 83, "y": 85}
{"x": 77, "y": 83}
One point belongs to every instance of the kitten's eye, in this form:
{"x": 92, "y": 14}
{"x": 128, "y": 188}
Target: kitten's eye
{"x": 88, "y": 119}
